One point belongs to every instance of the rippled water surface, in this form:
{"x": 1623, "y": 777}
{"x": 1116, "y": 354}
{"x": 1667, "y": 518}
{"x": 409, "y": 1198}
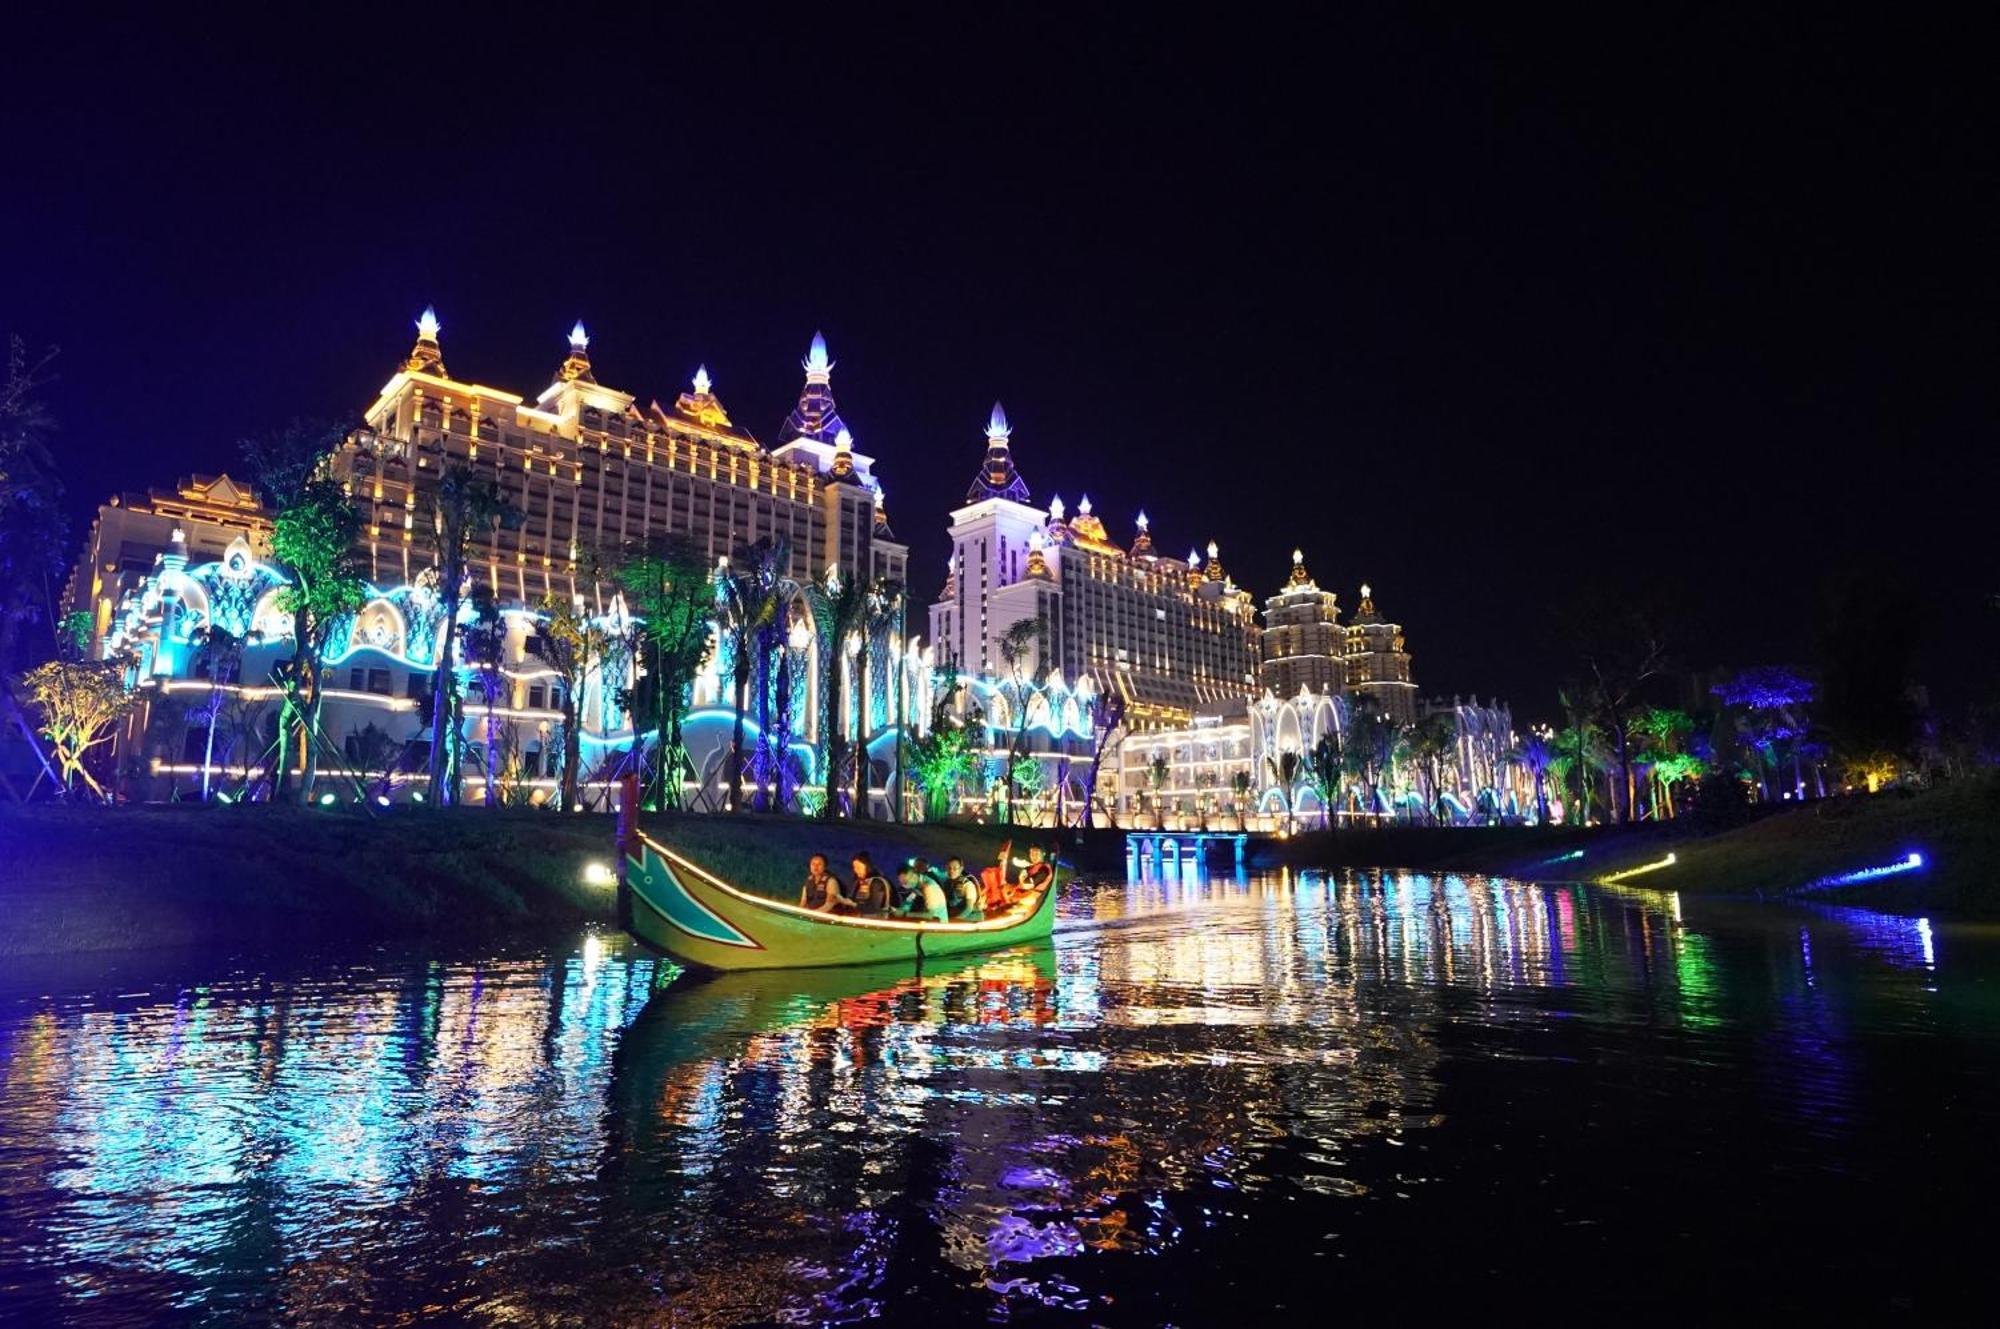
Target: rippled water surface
{"x": 1210, "y": 1101}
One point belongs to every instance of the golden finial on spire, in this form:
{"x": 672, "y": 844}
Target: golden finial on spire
{"x": 427, "y": 357}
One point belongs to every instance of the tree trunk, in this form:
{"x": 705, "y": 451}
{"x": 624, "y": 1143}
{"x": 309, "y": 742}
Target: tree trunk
{"x": 783, "y": 752}
{"x": 444, "y": 707}
{"x": 311, "y": 733}
{"x": 572, "y": 750}
{"x": 741, "y": 689}
{"x": 862, "y": 811}
{"x": 836, "y": 743}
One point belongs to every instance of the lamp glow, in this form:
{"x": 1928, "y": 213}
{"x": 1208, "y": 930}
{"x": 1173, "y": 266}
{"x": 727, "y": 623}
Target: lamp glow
{"x": 702, "y": 382}
{"x": 599, "y": 874}
{"x": 1641, "y": 870}
{"x": 428, "y": 326}
{"x": 578, "y": 338}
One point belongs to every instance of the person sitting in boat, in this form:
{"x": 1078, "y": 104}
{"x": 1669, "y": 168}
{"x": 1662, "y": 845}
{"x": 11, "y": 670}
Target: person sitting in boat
{"x": 923, "y": 898}
{"x": 997, "y": 882}
{"x": 872, "y": 895}
{"x": 964, "y": 900}
{"x": 822, "y": 891}
{"x": 1039, "y": 872}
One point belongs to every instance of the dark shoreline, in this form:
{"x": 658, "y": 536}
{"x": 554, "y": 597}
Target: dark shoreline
{"x": 96, "y": 879}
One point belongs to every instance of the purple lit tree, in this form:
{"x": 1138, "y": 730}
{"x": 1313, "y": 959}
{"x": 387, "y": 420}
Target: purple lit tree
{"x": 1769, "y": 705}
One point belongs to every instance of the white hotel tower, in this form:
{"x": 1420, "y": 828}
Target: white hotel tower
{"x": 1167, "y": 635}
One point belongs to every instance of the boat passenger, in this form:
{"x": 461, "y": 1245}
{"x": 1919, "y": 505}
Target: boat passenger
{"x": 822, "y": 892}
{"x": 1040, "y": 872}
{"x": 963, "y": 899}
{"x": 924, "y": 898}
{"x": 997, "y": 881}
{"x": 872, "y": 895}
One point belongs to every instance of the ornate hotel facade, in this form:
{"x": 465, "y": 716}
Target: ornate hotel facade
{"x": 590, "y": 471}
{"x": 1167, "y": 635}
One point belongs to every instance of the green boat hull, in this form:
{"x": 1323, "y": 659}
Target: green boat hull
{"x": 681, "y": 909}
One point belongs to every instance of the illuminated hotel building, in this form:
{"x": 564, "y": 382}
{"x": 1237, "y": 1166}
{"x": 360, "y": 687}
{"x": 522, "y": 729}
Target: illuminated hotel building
{"x": 1303, "y": 644}
{"x": 1377, "y": 665}
{"x": 1168, "y": 635}
{"x": 590, "y": 471}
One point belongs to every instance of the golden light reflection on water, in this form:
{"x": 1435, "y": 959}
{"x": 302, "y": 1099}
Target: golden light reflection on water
{"x": 547, "y": 1136}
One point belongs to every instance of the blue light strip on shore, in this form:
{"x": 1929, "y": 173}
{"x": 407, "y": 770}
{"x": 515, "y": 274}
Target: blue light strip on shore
{"x": 1910, "y": 863}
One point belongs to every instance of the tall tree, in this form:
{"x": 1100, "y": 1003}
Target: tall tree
{"x": 219, "y": 653}
{"x": 838, "y": 605}
{"x": 942, "y": 757}
{"x": 1286, "y": 767}
{"x": 879, "y": 610}
{"x": 1537, "y": 754}
{"x": 312, "y": 537}
{"x": 1019, "y": 654}
{"x": 486, "y": 654}
{"x": 78, "y": 701}
{"x": 31, "y": 527}
{"x": 1433, "y": 743}
{"x": 572, "y": 644}
{"x": 1620, "y": 640}
{"x": 1370, "y": 747}
{"x": 1107, "y": 720}
{"x": 1324, "y": 766}
{"x": 668, "y": 585}
{"x": 752, "y": 594}
{"x": 466, "y": 507}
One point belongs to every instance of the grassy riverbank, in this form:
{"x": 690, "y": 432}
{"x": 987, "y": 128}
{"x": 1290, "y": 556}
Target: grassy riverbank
{"x": 89, "y": 879}
{"x": 1955, "y": 828}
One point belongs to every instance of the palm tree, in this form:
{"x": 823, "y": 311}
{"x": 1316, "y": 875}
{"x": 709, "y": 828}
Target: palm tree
{"x": 1285, "y": 767}
{"x": 878, "y": 614}
{"x": 751, "y": 597}
{"x": 1018, "y": 650}
{"x": 837, "y": 604}
{"x": 486, "y": 648}
{"x": 571, "y": 644}
{"x": 465, "y": 506}
{"x": 1432, "y": 742}
{"x": 220, "y": 654}
{"x": 1538, "y": 754}
{"x": 1322, "y": 771}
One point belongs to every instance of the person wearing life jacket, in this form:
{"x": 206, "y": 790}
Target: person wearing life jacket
{"x": 963, "y": 897}
{"x": 996, "y": 881}
{"x": 1039, "y": 872}
{"x": 923, "y": 899}
{"x": 873, "y": 897}
{"x": 822, "y": 892}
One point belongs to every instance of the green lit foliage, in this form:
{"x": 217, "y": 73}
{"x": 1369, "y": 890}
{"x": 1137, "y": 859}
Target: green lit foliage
{"x": 77, "y": 703}
{"x": 1372, "y": 741}
{"x": 943, "y": 758}
{"x": 667, "y": 585}
{"x": 313, "y": 538}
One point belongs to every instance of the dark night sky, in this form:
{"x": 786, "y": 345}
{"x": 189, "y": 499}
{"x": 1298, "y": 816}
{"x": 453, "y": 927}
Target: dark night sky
{"x": 1468, "y": 310}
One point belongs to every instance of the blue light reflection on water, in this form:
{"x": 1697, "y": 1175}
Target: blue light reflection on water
{"x": 527, "y": 1136}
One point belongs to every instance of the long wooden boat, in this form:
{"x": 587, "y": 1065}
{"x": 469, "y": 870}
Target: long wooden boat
{"x": 675, "y": 905}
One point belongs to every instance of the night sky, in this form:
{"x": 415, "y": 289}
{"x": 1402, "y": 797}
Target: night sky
{"x": 1476, "y": 312}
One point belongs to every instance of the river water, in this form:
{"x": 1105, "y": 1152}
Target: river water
{"x": 1210, "y": 1101}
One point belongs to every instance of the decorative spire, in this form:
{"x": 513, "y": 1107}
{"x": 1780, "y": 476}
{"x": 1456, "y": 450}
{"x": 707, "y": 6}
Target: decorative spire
{"x": 576, "y": 366}
{"x": 1038, "y": 562}
{"x": 815, "y": 417}
{"x": 1365, "y": 611}
{"x": 997, "y": 477}
{"x": 881, "y": 529}
{"x": 701, "y": 404}
{"x": 1300, "y": 577}
{"x": 843, "y": 456}
{"x": 1056, "y": 508}
{"x": 1215, "y": 572}
{"x": 817, "y": 364}
{"x": 1142, "y": 546}
{"x": 1194, "y": 557}
{"x": 1084, "y": 507}
{"x": 427, "y": 357}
